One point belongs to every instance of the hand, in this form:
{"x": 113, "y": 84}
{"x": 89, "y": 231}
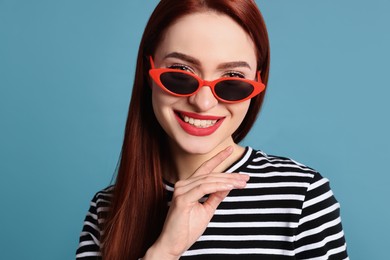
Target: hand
{"x": 187, "y": 218}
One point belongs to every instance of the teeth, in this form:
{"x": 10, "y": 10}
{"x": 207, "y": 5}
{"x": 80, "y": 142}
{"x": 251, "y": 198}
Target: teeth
{"x": 199, "y": 123}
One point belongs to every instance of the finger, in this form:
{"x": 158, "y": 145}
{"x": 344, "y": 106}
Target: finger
{"x": 235, "y": 179}
{"x": 198, "y": 192}
{"x": 195, "y": 178}
{"x": 212, "y": 163}
{"x": 214, "y": 200}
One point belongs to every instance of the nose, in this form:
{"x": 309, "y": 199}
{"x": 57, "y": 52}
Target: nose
{"x": 203, "y": 100}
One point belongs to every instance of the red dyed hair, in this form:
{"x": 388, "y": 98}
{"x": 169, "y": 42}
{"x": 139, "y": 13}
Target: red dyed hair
{"x": 138, "y": 207}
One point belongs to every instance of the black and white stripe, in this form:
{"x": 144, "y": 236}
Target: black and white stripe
{"x": 89, "y": 245}
{"x": 287, "y": 211}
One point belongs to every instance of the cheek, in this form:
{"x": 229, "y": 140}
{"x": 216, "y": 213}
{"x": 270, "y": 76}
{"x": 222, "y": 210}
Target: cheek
{"x": 240, "y": 110}
{"x": 156, "y": 97}
{"x": 163, "y": 105}
{"x": 158, "y": 102}
{"x": 161, "y": 99}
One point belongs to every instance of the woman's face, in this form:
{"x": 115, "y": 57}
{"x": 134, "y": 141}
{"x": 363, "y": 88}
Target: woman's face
{"x": 211, "y": 46}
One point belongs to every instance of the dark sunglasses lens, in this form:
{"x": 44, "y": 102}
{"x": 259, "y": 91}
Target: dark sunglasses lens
{"x": 179, "y": 83}
{"x": 233, "y": 90}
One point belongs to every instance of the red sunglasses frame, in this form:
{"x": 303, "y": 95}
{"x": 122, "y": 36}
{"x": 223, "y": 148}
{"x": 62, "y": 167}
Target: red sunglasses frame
{"x": 155, "y": 74}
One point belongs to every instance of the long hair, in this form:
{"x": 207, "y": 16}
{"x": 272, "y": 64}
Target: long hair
{"x": 138, "y": 207}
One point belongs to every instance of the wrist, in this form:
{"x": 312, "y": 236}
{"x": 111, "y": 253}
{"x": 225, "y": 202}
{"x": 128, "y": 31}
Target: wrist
{"x": 155, "y": 253}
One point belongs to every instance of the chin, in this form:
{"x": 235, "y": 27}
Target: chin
{"x": 197, "y": 150}
{"x": 199, "y": 146}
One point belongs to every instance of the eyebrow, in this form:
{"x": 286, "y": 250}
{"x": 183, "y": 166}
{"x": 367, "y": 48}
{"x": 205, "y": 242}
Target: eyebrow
{"x": 226, "y": 65}
{"x": 183, "y": 57}
{"x": 234, "y": 64}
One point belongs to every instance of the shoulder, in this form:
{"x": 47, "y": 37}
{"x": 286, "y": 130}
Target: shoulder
{"x": 285, "y": 175}
{"x": 102, "y": 198}
{"x": 100, "y": 203}
{"x": 104, "y": 194}
{"x": 297, "y": 196}
{"x": 89, "y": 243}
{"x": 259, "y": 164}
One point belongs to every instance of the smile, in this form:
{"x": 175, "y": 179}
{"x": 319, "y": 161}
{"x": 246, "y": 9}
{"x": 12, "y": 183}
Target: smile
{"x": 198, "y": 125}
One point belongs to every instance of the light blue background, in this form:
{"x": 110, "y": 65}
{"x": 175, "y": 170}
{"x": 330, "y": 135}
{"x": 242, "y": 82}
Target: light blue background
{"x": 66, "y": 70}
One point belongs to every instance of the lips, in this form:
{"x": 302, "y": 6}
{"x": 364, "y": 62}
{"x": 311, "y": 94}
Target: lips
{"x": 198, "y": 125}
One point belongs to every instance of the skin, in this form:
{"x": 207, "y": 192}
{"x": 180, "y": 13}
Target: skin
{"x": 200, "y": 160}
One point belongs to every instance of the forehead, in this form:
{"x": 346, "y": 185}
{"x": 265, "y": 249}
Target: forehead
{"x": 208, "y": 36}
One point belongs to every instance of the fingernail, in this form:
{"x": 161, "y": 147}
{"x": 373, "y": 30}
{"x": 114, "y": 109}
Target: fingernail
{"x": 245, "y": 177}
{"x": 229, "y": 149}
{"x": 241, "y": 183}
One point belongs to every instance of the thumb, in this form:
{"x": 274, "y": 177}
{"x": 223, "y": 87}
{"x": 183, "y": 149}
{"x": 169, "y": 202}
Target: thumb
{"x": 214, "y": 200}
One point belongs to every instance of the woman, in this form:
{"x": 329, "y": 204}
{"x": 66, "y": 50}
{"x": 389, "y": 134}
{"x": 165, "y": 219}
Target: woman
{"x": 185, "y": 188}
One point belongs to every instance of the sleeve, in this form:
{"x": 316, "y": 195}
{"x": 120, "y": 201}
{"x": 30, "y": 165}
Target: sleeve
{"x": 320, "y": 234}
{"x": 89, "y": 242}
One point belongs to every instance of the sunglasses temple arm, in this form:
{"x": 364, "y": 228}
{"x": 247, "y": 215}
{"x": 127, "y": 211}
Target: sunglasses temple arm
{"x": 151, "y": 62}
{"x": 259, "y": 77}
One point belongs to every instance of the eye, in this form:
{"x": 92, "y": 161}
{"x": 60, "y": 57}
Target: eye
{"x": 181, "y": 67}
{"x": 234, "y": 74}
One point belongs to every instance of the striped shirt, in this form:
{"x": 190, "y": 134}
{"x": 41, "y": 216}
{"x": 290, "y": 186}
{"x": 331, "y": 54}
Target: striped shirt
{"x": 286, "y": 211}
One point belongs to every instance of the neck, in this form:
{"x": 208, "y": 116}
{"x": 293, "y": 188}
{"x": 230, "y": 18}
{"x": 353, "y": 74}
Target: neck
{"x": 186, "y": 163}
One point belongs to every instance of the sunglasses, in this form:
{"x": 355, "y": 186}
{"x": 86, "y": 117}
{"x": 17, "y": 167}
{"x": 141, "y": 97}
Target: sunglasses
{"x": 182, "y": 83}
